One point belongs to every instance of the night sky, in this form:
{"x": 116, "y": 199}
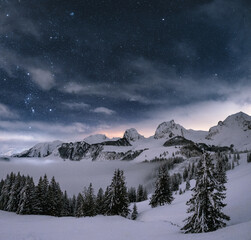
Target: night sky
{"x": 69, "y": 69}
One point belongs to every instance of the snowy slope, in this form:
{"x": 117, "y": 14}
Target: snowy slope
{"x": 159, "y": 223}
{"x": 235, "y": 129}
{"x": 40, "y": 149}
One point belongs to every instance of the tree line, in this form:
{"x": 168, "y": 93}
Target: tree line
{"x": 19, "y": 194}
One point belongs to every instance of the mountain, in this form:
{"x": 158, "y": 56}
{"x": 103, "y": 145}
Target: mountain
{"x": 40, "y": 149}
{"x": 234, "y": 130}
{"x": 169, "y": 139}
{"x": 169, "y": 130}
{"x": 132, "y": 135}
{"x": 97, "y": 138}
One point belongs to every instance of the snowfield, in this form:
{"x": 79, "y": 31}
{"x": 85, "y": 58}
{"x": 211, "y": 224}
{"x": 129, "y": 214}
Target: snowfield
{"x": 159, "y": 223}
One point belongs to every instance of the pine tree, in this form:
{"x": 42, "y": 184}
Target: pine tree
{"x": 5, "y": 192}
{"x": 185, "y": 174}
{"x": 134, "y": 212}
{"x": 249, "y": 157}
{"x": 162, "y": 194}
{"x": 140, "y": 193}
{"x": 79, "y": 211}
{"x": 66, "y": 209}
{"x": 54, "y": 198}
{"x": 27, "y": 198}
{"x": 73, "y": 202}
{"x": 89, "y": 205}
{"x": 14, "y": 194}
{"x": 117, "y": 201}
{"x": 132, "y": 194}
{"x": 206, "y": 202}
{"x": 100, "y": 202}
{"x": 188, "y": 185}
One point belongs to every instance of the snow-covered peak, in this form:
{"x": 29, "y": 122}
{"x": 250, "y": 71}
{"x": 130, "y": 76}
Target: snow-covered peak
{"x": 41, "y": 149}
{"x": 239, "y": 119}
{"x": 169, "y": 130}
{"x": 132, "y": 135}
{"x": 97, "y": 138}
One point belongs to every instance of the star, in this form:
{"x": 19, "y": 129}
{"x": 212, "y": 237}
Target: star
{"x": 163, "y": 19}
{"x": 72, "y": 14}
{"x": 32, "y": 110}
{"x": 50, "y": 110}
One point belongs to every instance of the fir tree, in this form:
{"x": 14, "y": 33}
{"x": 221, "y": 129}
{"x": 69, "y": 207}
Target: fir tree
{"x": 89, "y": 205}
{"x": 132, "y": 194}
{"x": 249, "y": 157}
{"x": 14, "y": 194}
{"x": 162, "y": 194}
{"x": 117, "y": 201}
{"x": 100, "y": 202}
{"x": 54, "y": 198}
{"x": 188, "y": 185}
{"x": 66, "y": 209}
{"x": 206, "y": 202}
{"x": 73, "y": 201}
{"x": 79, "y": 211}
{"x": 27, "y": 198}
{"x": 140, "y": 193}
{"x": 134, "y": 212}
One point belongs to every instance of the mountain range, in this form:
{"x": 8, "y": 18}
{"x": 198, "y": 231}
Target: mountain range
{"x": 170, "y": 139}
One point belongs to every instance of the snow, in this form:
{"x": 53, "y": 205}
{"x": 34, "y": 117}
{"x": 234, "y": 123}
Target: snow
{"x": 159, "y": 223}
{"x": 97, "y": 138}
{"x": 132, "y": 135}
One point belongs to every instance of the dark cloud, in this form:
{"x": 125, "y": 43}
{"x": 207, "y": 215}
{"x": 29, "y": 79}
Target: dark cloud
{"x": 112, "y": 63}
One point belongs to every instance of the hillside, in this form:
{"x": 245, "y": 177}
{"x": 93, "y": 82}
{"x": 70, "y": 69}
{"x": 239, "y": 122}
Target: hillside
{"x": 159, "y": 223}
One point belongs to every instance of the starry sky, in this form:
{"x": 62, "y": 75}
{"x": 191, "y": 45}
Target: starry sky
{"x": 69, "y": 69}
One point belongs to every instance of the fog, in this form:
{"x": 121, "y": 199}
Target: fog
{"x": 73, "y": 176}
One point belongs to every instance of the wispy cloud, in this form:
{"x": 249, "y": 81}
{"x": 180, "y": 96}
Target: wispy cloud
{"x": 6, "y": 112}
{"x": 75, "y": 105}
{"x": 103, "y": 110}
{"x": 38, "y": 71}
{"x": 42, "y": 78}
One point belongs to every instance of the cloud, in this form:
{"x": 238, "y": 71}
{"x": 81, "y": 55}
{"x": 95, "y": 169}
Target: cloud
{"x": 42, "y": 78}
{"x": 76, "y": 105}
{"x": 103, "y": 110}
{"x": 40, "y": 73}
{"x": 11, "y": 11}
{"x": 5, "y": 112}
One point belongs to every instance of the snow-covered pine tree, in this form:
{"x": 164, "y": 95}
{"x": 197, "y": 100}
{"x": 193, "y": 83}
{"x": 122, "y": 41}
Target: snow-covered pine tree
{"x": 79, "y": 211}
{"x": 89, "y": 206}
{"x": 27, "y": 198}
{"x": 116, "y": 198}
{"x": 5, "y": 192}
{"x": 162, "y": 194}
{"x": 206, "y": 202}
{"x": 134, "y": 212}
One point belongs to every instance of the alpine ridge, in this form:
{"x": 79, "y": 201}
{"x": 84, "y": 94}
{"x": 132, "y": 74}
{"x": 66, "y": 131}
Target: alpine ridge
{"x": 169, "y": 138}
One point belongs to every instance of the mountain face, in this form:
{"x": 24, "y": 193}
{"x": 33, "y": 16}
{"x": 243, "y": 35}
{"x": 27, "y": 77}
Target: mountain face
{"x": 169, "y": 138}
{"x": 97, "y": 138}
{"x": 40, "y": 150}
{"x": 234, "y": 130}
{"x": 132, "y": 135}
{"x": 169, "y": 130}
